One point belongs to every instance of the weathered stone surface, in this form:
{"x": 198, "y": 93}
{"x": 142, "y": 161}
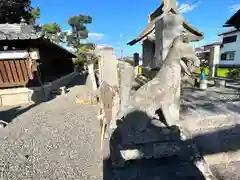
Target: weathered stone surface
{"x": 163, "y": 91}
{"x": 150, "y": 135}
{"x": 155, "y": 150}
{"x": 108, "y": 66}
{"x": 125, "y": 70}
{"x": 227, "y": 172}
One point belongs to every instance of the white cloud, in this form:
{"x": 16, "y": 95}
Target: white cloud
{"x": 96, "y": 36}
{"x": 100, "y": 46}
{"x": 184, "y": 8}
{"x": 234, "y": 8}
{"x": 92, "y": 36}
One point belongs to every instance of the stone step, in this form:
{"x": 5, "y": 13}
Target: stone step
{"x": 151, "y": 170}
{"x": 149, "y": 151}
{"x": 162, "y": 169}
{"x": 155, "y": 150}
{"x": 227, "y": 171}
{"x": 151, "y": 134}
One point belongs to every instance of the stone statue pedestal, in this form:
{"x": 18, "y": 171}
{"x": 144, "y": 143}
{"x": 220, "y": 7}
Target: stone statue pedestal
{"x": 151, "y": 142}
{"x": 203, "y": 84}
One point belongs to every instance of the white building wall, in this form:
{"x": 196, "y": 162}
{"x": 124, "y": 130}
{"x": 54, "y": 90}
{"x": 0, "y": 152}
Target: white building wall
{"x": 234, "y": 46}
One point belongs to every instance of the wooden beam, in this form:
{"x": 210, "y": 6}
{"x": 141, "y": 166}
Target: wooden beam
{"x": 169, "y": 4}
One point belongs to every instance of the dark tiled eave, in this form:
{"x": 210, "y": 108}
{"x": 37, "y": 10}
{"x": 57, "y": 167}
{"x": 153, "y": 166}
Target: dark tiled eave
{"x": 19, "y": 36}
{"x": 234, "y": 21}
{"x": 151, "y": 26}
{"x": 32, "y": 36}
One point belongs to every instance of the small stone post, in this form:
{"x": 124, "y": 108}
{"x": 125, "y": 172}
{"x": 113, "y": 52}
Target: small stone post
{"x": 214, "y": 60}
{"x": 108, "y": 74}
{"x": 91, "y": 69}
{"x": 136, "y": 64}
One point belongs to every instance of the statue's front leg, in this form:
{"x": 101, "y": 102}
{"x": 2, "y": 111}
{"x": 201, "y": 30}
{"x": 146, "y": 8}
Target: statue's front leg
{"x": 170, "y": 114}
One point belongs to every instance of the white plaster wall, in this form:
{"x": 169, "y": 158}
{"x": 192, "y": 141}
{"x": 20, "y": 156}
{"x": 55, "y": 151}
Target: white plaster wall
{"x": 19, "y": 96}
{"x": 235, "y": 46}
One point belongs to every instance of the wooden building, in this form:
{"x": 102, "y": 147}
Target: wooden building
{"x": 27, "y": 58}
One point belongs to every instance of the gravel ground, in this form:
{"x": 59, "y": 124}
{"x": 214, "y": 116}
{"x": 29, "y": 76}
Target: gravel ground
{"x": 59, "y": 139}
{"x": 53, "y": 140}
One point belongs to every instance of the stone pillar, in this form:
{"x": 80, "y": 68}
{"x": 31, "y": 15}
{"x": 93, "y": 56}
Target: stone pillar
{"x": 126, "y": 72}
{"x": 91, "y": 71}
{"x": 108, "y": 73}
{"x": 214, "y": 58}
{"x": 136, "y": 63}
{"x": 136, "y": 59}
{"x": 166, "y": 30}
{"x": 108, "y": 66}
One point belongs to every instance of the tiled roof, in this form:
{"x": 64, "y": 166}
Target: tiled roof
{"x": 19, "y": 36}
{"x": 19, "y": 31}
{"x": 232, "y": 30}
{"x": 158, "y": 14}
{"x": 234, "y": 21}
{"x": 25, "y": 32}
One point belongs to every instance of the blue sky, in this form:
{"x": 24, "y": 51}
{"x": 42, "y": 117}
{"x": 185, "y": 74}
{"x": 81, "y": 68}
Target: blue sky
{"x": 128, "y": 17}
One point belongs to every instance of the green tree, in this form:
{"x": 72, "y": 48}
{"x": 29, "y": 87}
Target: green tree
{"x": 82, "y": 49}
{"x": 54, "y": 32}
{"x": 79, "y": 29}
{"x": 12, "y": 11}
{"x": 35, "y": 15}
{"x": 78, "y": 33}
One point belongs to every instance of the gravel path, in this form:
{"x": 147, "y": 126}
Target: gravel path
{"x": 54, "y": 140}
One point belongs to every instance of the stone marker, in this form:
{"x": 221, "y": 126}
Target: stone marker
{"x": 91, "y": 69}
{"x": 108, "y": 66}
{"x": 106, "y": 98}
{"x": 108, "y": 73}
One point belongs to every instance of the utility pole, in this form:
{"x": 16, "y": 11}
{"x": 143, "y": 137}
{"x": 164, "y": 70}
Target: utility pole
{"x": 121, "y": 45}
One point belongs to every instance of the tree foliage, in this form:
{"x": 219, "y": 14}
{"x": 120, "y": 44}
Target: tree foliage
{"x": 54, "y": 32}
{"x": 12, "y": 11}
{"x": 78, "y": 29}
{"x": 81, "y": 52}
{"x": 51, "y": 28}
{"x": 35, "y": 14}
{"x": 78, "y": 33}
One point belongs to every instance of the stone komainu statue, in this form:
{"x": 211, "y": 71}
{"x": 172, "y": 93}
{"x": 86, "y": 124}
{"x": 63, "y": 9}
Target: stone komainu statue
{"x": 162, "y": 93}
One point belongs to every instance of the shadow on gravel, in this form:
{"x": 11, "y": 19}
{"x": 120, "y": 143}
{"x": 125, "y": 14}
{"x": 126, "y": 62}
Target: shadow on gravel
{"x": 169, "y": 165}
{"x": 9, "y": 114}
{"x": 179, "y": 166}
{"x": 225, "y": 140}
{"x": 80, "y": 79}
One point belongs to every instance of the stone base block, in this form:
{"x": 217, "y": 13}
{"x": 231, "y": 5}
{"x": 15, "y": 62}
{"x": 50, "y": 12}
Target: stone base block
{"x": 203, "y": 84}
{"x": 220, "y": 82}
{"x": 150, "y": 135}
{"x": 151, "y": 151}
{"x": 156, "y": 150}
